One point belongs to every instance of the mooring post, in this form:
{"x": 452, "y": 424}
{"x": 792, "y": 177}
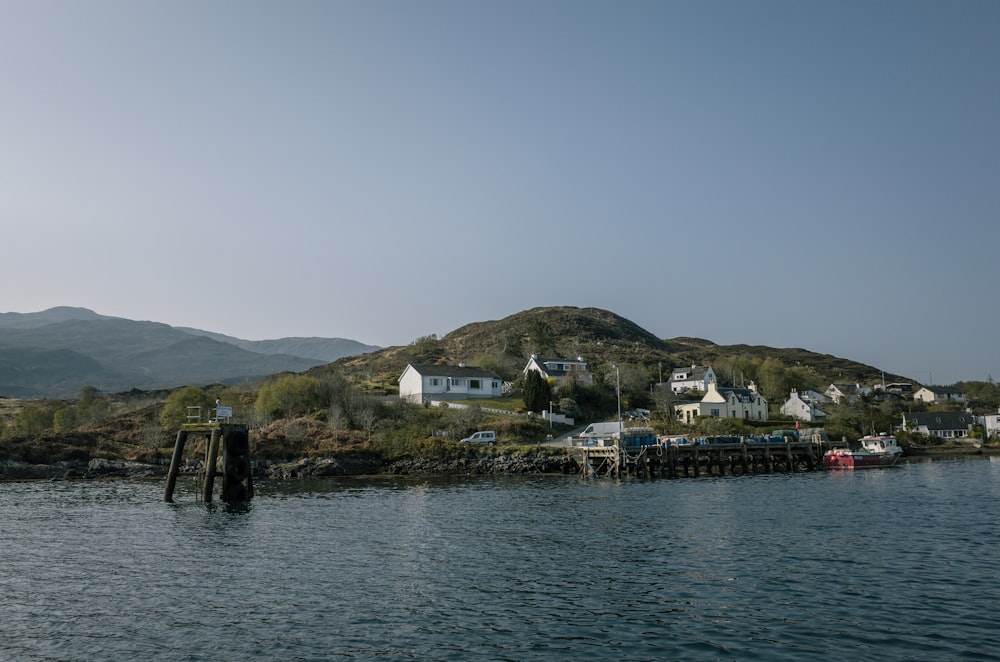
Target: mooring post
{"x": 175, "y": 466}
{"x": 210, "y": 465}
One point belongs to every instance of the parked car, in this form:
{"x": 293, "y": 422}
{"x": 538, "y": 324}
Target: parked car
{"x": 488, "y": 437}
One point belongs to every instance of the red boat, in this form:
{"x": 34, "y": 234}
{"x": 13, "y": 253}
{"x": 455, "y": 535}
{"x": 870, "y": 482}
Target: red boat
{"x": 877, "y": 450}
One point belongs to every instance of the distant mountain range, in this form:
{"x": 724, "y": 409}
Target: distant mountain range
{"x": 55, "y": 352}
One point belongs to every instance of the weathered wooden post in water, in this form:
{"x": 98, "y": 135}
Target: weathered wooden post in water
{"x": 234, "y": 439}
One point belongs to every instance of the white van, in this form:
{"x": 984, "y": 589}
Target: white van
{"x": 488, "y": 437}
{"x": 602, "y": 430}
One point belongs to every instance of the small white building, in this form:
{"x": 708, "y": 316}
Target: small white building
{"x": 421, "y": 383}
{"x": 694, "y": 378}
{"x": 839, "y": 393}
{"x": 725, "y": 402}
{"x": 992, "y": 424}
{"x": 939, "y": 394}
{"x": 804, "y": 406}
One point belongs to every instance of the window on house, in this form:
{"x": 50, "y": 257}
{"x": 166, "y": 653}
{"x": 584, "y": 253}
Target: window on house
{"x": 435, "y": 381}
{"x": 474, "y": 383}
{"x": 456, "y": 382}
{"x": 715, "y": 413}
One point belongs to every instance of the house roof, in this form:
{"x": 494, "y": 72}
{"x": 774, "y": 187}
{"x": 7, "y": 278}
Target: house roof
{"x": 726, "y": 391}
{"x": 696, "y": 372}
{"x": 453, "y": 371}
{"x": 553, "y": 367}
{"x": 940, "y": 420}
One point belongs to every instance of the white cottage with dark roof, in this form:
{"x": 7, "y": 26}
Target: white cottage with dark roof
{"x": 725, "y": 402}
{"x": 420, "y": 383}
{"x": 574, "y": 370}
{"x": 940, "y": 394}
{"x": 803, "y": 406}
{"x": 694, "y": 378}
{"x": 942, "y": 424}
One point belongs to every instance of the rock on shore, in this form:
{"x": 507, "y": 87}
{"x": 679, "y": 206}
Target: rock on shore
{"x": 95, "y": 468}
{"x": 301, "y": 468}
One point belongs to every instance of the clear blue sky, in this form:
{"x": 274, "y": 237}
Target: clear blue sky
{"x": 808, "y": 174}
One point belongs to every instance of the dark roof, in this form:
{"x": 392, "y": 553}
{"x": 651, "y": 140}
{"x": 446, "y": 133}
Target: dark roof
{"x": 454, "y": 371}
{"x": 941, "y": 420}
{"x": 693, "y": 372}
{"x": 553, "y": 371}
{"x": 726, "y": 391}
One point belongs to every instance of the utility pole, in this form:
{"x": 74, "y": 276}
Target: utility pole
{"x": 618, "y": 390}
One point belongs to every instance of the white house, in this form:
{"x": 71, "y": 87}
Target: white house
{"x": 846, "y": 392}
{"x": 572, "y": 370}
{"x": 695, "y": 378}
{"x": 992, "y": 424}
{"x": 943, "y": 424}
{"x": 724, "y": 402}
{"x": 939, "y": 394}
{"x": 804, "y": 406}
{"x": 420, "y": 383}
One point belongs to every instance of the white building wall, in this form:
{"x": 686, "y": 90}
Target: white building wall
{"x": 411, "y": 385}
{"x": 992, "y": 424}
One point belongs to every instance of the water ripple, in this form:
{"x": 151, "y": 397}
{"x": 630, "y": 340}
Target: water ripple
{"x": 894, "y": 565}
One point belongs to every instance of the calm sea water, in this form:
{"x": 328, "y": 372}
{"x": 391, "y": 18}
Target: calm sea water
{"x": 896, "y": 564}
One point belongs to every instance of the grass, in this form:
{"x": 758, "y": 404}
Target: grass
{"x": 511, "y": 404}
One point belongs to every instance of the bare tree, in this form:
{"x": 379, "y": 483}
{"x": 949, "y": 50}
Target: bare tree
{"x": 335, "y": 415}
{"x": 365, "y": 414}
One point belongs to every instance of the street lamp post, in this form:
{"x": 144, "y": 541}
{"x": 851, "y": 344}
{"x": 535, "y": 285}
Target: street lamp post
{"x": 618, "y": 391}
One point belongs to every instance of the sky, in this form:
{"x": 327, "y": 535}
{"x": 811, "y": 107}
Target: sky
{"x": 815, "y": 174}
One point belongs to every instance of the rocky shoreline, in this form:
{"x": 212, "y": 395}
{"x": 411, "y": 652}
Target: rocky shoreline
{"x": 354, "y": 465}
{"x": 101, "y": 468}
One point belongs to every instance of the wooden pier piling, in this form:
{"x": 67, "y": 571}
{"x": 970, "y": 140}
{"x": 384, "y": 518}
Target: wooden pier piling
{"x": 686, "y": 460}
{"x": 234, "y": 440}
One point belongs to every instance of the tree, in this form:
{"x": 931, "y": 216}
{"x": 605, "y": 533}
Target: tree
{"x": 774, "y": 383}
{"x": 287, "y": 396}
{"x": 365, "y": 414}
{"x": 537, "y": 392}
{"x": 91, "y": 406}
{"x": 65, "y": 419}
{"x": 735, "y": 370}
{"x": 33, "y": 419}
{"x": 635, "y": 383}
{"x": 663, "y": 399}
{"x": 175, "y": 410}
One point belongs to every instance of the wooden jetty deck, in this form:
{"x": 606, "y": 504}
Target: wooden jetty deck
{"x": 689, "y": 460}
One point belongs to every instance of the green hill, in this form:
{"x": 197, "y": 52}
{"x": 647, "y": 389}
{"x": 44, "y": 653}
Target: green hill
{"x": 601, "y": 337}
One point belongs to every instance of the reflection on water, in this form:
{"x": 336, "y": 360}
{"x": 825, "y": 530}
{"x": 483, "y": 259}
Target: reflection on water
{"x": 770, "y": 566}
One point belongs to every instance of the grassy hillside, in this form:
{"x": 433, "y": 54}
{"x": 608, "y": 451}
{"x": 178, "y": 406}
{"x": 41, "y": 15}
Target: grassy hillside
{"x": 601, "y": 337}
